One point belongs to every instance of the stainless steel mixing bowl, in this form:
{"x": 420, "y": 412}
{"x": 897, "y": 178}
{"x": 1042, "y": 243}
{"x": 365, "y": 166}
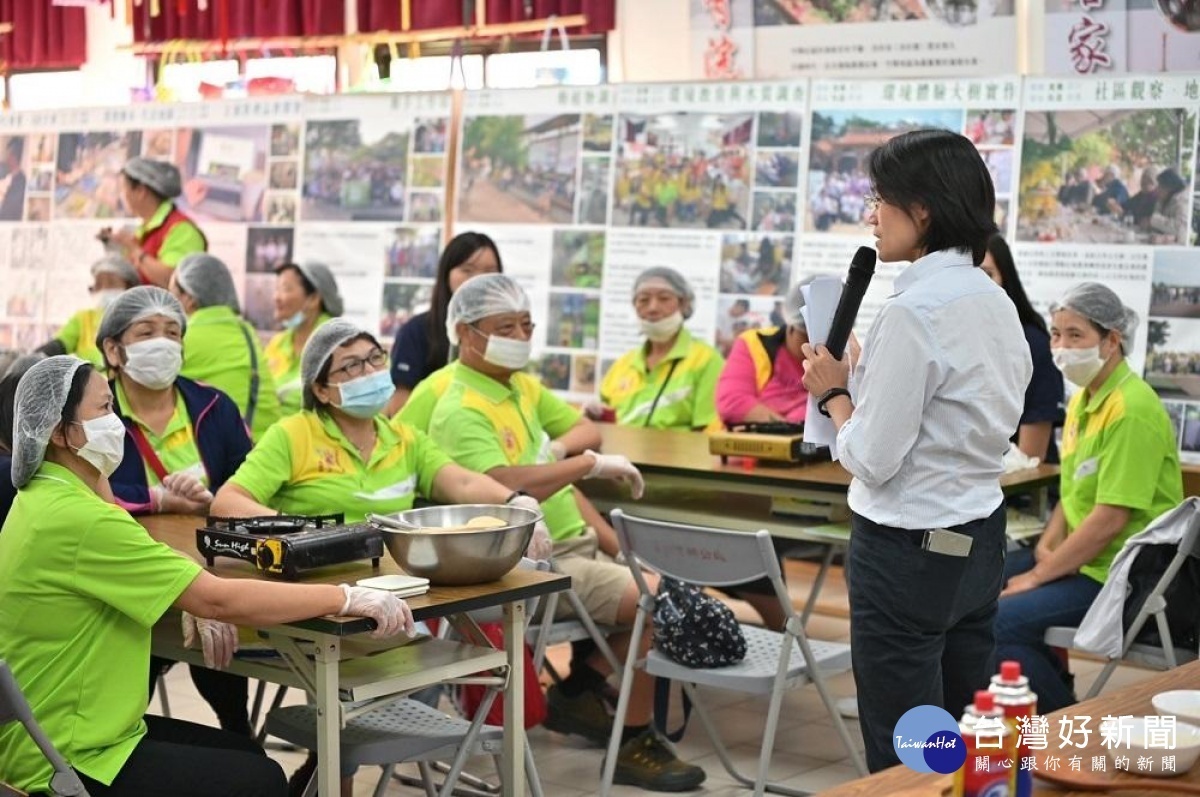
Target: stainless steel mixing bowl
{"x": 458, "y": 558}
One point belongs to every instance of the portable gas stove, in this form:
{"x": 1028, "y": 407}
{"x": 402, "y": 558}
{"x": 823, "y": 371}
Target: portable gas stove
{"x": 288, "y": 545}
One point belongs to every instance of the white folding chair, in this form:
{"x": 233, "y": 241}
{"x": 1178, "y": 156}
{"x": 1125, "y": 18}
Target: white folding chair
{"x": 774, "y": 661}
{"x": 1163, "y": 656}
{"x": 15, "y": 708}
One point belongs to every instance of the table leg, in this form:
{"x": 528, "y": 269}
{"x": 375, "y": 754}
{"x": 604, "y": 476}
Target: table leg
{"x": 329, "y": 717}
{"x": 513, "y": 760}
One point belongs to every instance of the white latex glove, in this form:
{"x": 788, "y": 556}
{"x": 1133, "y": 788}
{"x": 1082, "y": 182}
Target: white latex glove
{"x": 391, "y": 615}
{"x": 618, "y": 467}
{"x": 540, "y": 546}
{"x": 594, "y": 410}
{"x": 218, "y": 640}
{"x": 185, "y": 485}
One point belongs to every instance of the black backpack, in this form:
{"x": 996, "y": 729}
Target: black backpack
{"x": 694, "y": 629}
{"x": 1182, "y": 596}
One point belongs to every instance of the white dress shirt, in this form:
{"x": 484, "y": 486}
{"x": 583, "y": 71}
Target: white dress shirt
{"x": 939, "y": 390}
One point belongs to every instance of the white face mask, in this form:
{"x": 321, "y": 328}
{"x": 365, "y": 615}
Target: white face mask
{"x": 105, "y": 446}
{"x": 507, "y": 353}
{"x": 663, "y": 329}
{"x": 107, "y": 297}
{"x": 1079, "y": 365}
{"x": 153, "y": 363}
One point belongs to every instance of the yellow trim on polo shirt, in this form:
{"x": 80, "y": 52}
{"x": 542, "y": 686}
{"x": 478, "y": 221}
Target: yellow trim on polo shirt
{"x": 687, "y": 402}
{"x": 284, "y": 361}
{"x": 176, "y": 446}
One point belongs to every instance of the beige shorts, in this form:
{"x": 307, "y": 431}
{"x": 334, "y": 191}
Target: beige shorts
{"x": 596, "y": 578}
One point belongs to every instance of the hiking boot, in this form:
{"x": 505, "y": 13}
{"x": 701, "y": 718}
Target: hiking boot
{"x": 585, "y": 715}
{"x": 649, "y": 762}
{"x": 298, "y": 782}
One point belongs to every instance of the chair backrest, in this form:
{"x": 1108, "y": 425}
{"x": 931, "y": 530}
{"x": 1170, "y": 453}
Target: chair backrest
{"x": 698, "y": 554}
{"x": 1155, "y": 600}
{"x": 14, "y": 708}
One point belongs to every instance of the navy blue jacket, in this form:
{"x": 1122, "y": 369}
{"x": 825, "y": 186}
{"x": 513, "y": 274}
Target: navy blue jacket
{"x": 220, "y": 434}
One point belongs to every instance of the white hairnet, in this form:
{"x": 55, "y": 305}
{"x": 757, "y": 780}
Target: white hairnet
{"x": 481, "y": 297}
{"x": 159, "y": 176}
{"x": 206, "y": 279}
{"x": 1098, "y": 304}
{"x": 321, "y": 278}
{"x": 37, "y": 410}
{"x": 320, "y": 347}
{"x": 794, "y": 304}
{"x": 673, "y": 280}
{"x": 135, "y": 304}
{"x": 116, "y": 264}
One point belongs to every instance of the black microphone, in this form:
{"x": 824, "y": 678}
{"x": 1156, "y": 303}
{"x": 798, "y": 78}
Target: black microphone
{"x": 862, "y": 268}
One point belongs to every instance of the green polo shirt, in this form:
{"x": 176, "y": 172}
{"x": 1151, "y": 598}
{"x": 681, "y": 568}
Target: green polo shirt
{"x": 1118, "y": 448}
{"x": 81, "y": 585}
{"x": 218, "y": 349}
{"x": 418, "y": 410}
{"x": 176, "y": 446}
{"x": 684, "y": 383}
{"x": 304, "y": 465}
{"x": 181, "y": 240}
{"x": 485, "y": 424}
{"x": 284, "y": 361}
{"x": 78, "y": 336}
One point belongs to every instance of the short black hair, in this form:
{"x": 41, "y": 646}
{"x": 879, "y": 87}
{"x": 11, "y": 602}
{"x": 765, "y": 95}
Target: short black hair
{"x": 942, "y": 172}
{"x": 70, "y": 410}
{"x": 8, "y": 395}
{"x": 997, "y": 247}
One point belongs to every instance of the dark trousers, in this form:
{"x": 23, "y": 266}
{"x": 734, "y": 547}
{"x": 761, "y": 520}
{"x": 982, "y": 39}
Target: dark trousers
{"x": 182, "y": 759}
{"x": 227, "y": 694}
{"x": 921, "y": 623}
{"x": 1022, "y": 622}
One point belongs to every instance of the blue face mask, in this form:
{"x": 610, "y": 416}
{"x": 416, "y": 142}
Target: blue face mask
{"x": 366, "y": 396}
{"x": 295, "y": 320}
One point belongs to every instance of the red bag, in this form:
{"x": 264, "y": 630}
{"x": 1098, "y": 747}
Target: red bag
{"x": 471, "y": 695}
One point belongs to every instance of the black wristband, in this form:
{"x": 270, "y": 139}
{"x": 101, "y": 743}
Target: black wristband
{"x": 828, "y": 396}
{"x": 515, "y": 494}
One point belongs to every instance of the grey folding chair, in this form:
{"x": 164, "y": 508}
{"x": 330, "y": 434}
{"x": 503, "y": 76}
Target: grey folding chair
{"x": 1165, "y": 655}
{"x": 14, "y": 708}
{"x": 546, "y": 631}
{"x": 774, "y": 661}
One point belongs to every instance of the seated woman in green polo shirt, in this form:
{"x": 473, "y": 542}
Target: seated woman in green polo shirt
{"x": 81, "y": 586}
{"x": 183, "y": 439}
{"x": 220, "y": 348}
{"x": 306, "y": 296}
{"x": 670, "y": 381}
{"x": 342, "y": 454}
{"x": 1120, "y": 470}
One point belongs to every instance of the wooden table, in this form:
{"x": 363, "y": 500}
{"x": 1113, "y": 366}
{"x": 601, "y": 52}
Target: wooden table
{"x": 687, "y": 484}
{"x": 1133, "y": 700}
{"x": 346, "y": 669}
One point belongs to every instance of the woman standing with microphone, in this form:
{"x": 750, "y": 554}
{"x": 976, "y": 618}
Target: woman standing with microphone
{"x": 939, "y": 388}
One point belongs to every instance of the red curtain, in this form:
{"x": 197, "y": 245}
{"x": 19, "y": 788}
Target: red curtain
{"x": 233, "y": 19}
{"x": 376, "y": 15}
{"x": 43, "y": 36}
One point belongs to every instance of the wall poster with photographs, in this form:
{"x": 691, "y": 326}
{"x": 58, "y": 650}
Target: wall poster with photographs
{"x": 373, "y": 178}
{"x": 852, "y": 118}
{"x": 874, "y": 38}
{"x": 534, "y": 173}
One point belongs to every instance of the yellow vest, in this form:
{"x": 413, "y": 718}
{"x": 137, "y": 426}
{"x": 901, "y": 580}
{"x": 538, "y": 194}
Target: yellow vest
{"x": 763, "y": 344}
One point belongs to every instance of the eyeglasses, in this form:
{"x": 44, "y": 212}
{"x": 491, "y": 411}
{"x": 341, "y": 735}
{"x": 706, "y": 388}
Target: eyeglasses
{"x": 872, "y": 201}
{"x": 354, "y": 367}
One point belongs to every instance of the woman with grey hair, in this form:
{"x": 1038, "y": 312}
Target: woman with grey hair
{"x": 166, "y": 235}
{"x": 670, "y": 381}
{"x": 1120, "y": 470}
